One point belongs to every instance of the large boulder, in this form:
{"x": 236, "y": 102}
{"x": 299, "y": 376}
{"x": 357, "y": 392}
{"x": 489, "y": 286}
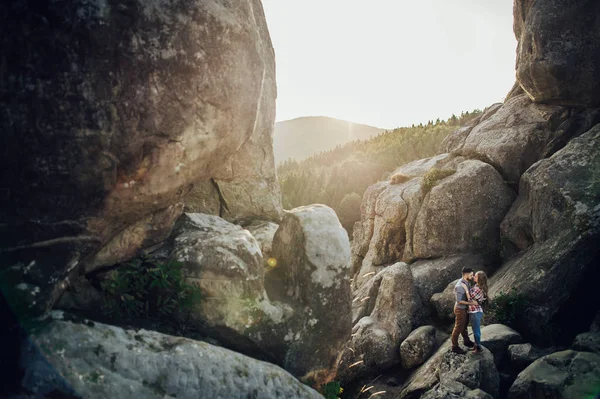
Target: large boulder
{"x": 376, "y": 338}
{"x": 519, "y": 134}
{"x": 98, "y": 360}
{"x": 381, "y": 238}
{"x": 420, "y": 214}
{"x": 447, "y": 372}
{"x": 418, "y": 347}
{"x": 462, "y": 212}
{"x": 443, "y": 302}
{"x": 587, "y": 342}
{"x": 497, "y": 338}
{"x": 568, "y": 374}
{"x": 226, "y": 262}
{"x": 311, "y": 274}
{"x": 264, "y": 232}
{"x": 555, "y": 222}
{"x": 522, "y": 355}
{"x": 115, "y": 110}
{"x": 558, "y": 53}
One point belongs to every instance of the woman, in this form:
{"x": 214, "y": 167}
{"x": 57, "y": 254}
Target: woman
{"x": 477, "y": 296}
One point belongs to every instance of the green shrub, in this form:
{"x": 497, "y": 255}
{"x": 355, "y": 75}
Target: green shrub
{"x": 434, "y": 175}
{"x": 149, "y": 289}
{"x": 332, "y": 390}
{"x": 507, "y": 307}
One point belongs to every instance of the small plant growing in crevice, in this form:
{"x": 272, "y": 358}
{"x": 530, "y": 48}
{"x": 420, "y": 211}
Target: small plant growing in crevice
{"x": 433, "y": 175}
{"x": 332, "y": 390}
{"x": 146, "y": 288}
{"x": 399, "y": 178}
{"x": 507, "y": 307}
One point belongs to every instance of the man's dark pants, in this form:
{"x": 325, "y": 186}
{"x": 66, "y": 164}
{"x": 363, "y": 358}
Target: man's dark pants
{"x": 460, "y": 326}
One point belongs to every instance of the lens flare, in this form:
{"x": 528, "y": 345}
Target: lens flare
{"x": 272, "y": 262}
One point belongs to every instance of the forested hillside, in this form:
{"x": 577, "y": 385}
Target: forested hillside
{"x": 339, "y": 177}
{"x": 303, "y": 137}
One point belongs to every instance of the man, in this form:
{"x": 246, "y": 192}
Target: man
{"x": 460, "y": 311}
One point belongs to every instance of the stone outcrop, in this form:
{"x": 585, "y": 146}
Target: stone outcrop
{"x": 520, "y": 133}
{"x": 522, "y": 355}
{"x": 497, "y": 338}
{"x": 96, "y": 142}
{"x": 588, "y": 342}
{"x": 98, "y": 360}
{"x": 226, "y": 262}
{"x": 422, "y": 217}
{"x": 263, "y": 232}
{"x": 441, "y": 228}
{"x": 443, "y": 302}
{"x": 311, "y": 274}
{"x": 558, "y": 51}
{"x": 376, "y": 338}
{"x": 418, "y": 347}
{"x": 567, "y": 374}
{"x": 555, "y": 223}
{"x": 446, "y": 374}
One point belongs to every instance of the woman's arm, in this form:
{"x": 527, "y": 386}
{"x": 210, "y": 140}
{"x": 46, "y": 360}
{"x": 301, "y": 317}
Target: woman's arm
{"x": 469, "y": 301}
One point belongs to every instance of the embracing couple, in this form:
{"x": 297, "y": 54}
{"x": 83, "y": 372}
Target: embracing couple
{"x": 470, "y": 299}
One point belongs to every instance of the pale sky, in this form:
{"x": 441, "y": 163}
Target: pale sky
{"x": 390, "y": 63}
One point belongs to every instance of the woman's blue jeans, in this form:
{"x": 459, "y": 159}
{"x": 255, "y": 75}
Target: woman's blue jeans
{"x": 475, "y": 319}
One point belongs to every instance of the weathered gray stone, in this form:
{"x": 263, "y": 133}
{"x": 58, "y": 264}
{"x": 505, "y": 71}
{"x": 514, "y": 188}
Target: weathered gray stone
{"x": 125, "y": 133}
{"x": 555, "y": 222}
{"x": 522, "y": 355}
{"x": 587, "y": 342}
{"x": 109, "y": 362}
{"x": 443, "y": 302}
{"x": 558, "y": 51}
{"x": 376, "y": 338}
{"x": 312, "y": 251}
{"x": 567, "y": 374}
{"x": 226, "y": 262}
{"x": 388, "y": 210}
{"x": 263, "y": 232}
{"x": 442, "y": 227}
{"x": 456, "y": 138}
{"x": 418, "y": 347}
{"x": 204, "y": 198}
{"x": 445, "y": 370}
{"x": 454, "y": 389}
{"x": 497, "y": 338}
{"x": 521, "y": 133}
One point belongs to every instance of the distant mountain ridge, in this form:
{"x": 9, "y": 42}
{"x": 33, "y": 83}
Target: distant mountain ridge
{"x": 305, "y": 136}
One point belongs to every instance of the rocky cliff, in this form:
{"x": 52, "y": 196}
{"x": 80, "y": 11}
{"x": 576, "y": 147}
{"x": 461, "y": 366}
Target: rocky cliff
{"x": 516, "y": 192}
{"x": 112, "y": 112}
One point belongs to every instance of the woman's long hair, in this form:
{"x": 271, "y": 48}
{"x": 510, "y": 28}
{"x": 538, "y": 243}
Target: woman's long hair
{"x": 482, "y": 282}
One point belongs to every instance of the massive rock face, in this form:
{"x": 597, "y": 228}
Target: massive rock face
{"x": 114, "y": 112}
{"x": 558, "y": 55}
{"x": 515, "y": 135}
{"x": 555, "y": 222}
{"x": 98, "y": 360}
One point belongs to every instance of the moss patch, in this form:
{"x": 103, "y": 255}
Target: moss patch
{"x": 433, "y": 176}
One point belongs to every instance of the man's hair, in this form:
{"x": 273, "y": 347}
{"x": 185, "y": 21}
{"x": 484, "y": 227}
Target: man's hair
{"x": 466, "y": 270}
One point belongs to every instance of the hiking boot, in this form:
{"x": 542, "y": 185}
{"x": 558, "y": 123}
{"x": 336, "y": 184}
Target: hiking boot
{"x": 469, "y": 344}
{"x": 458, "y": 350}
{"x": 477, "y": 349}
